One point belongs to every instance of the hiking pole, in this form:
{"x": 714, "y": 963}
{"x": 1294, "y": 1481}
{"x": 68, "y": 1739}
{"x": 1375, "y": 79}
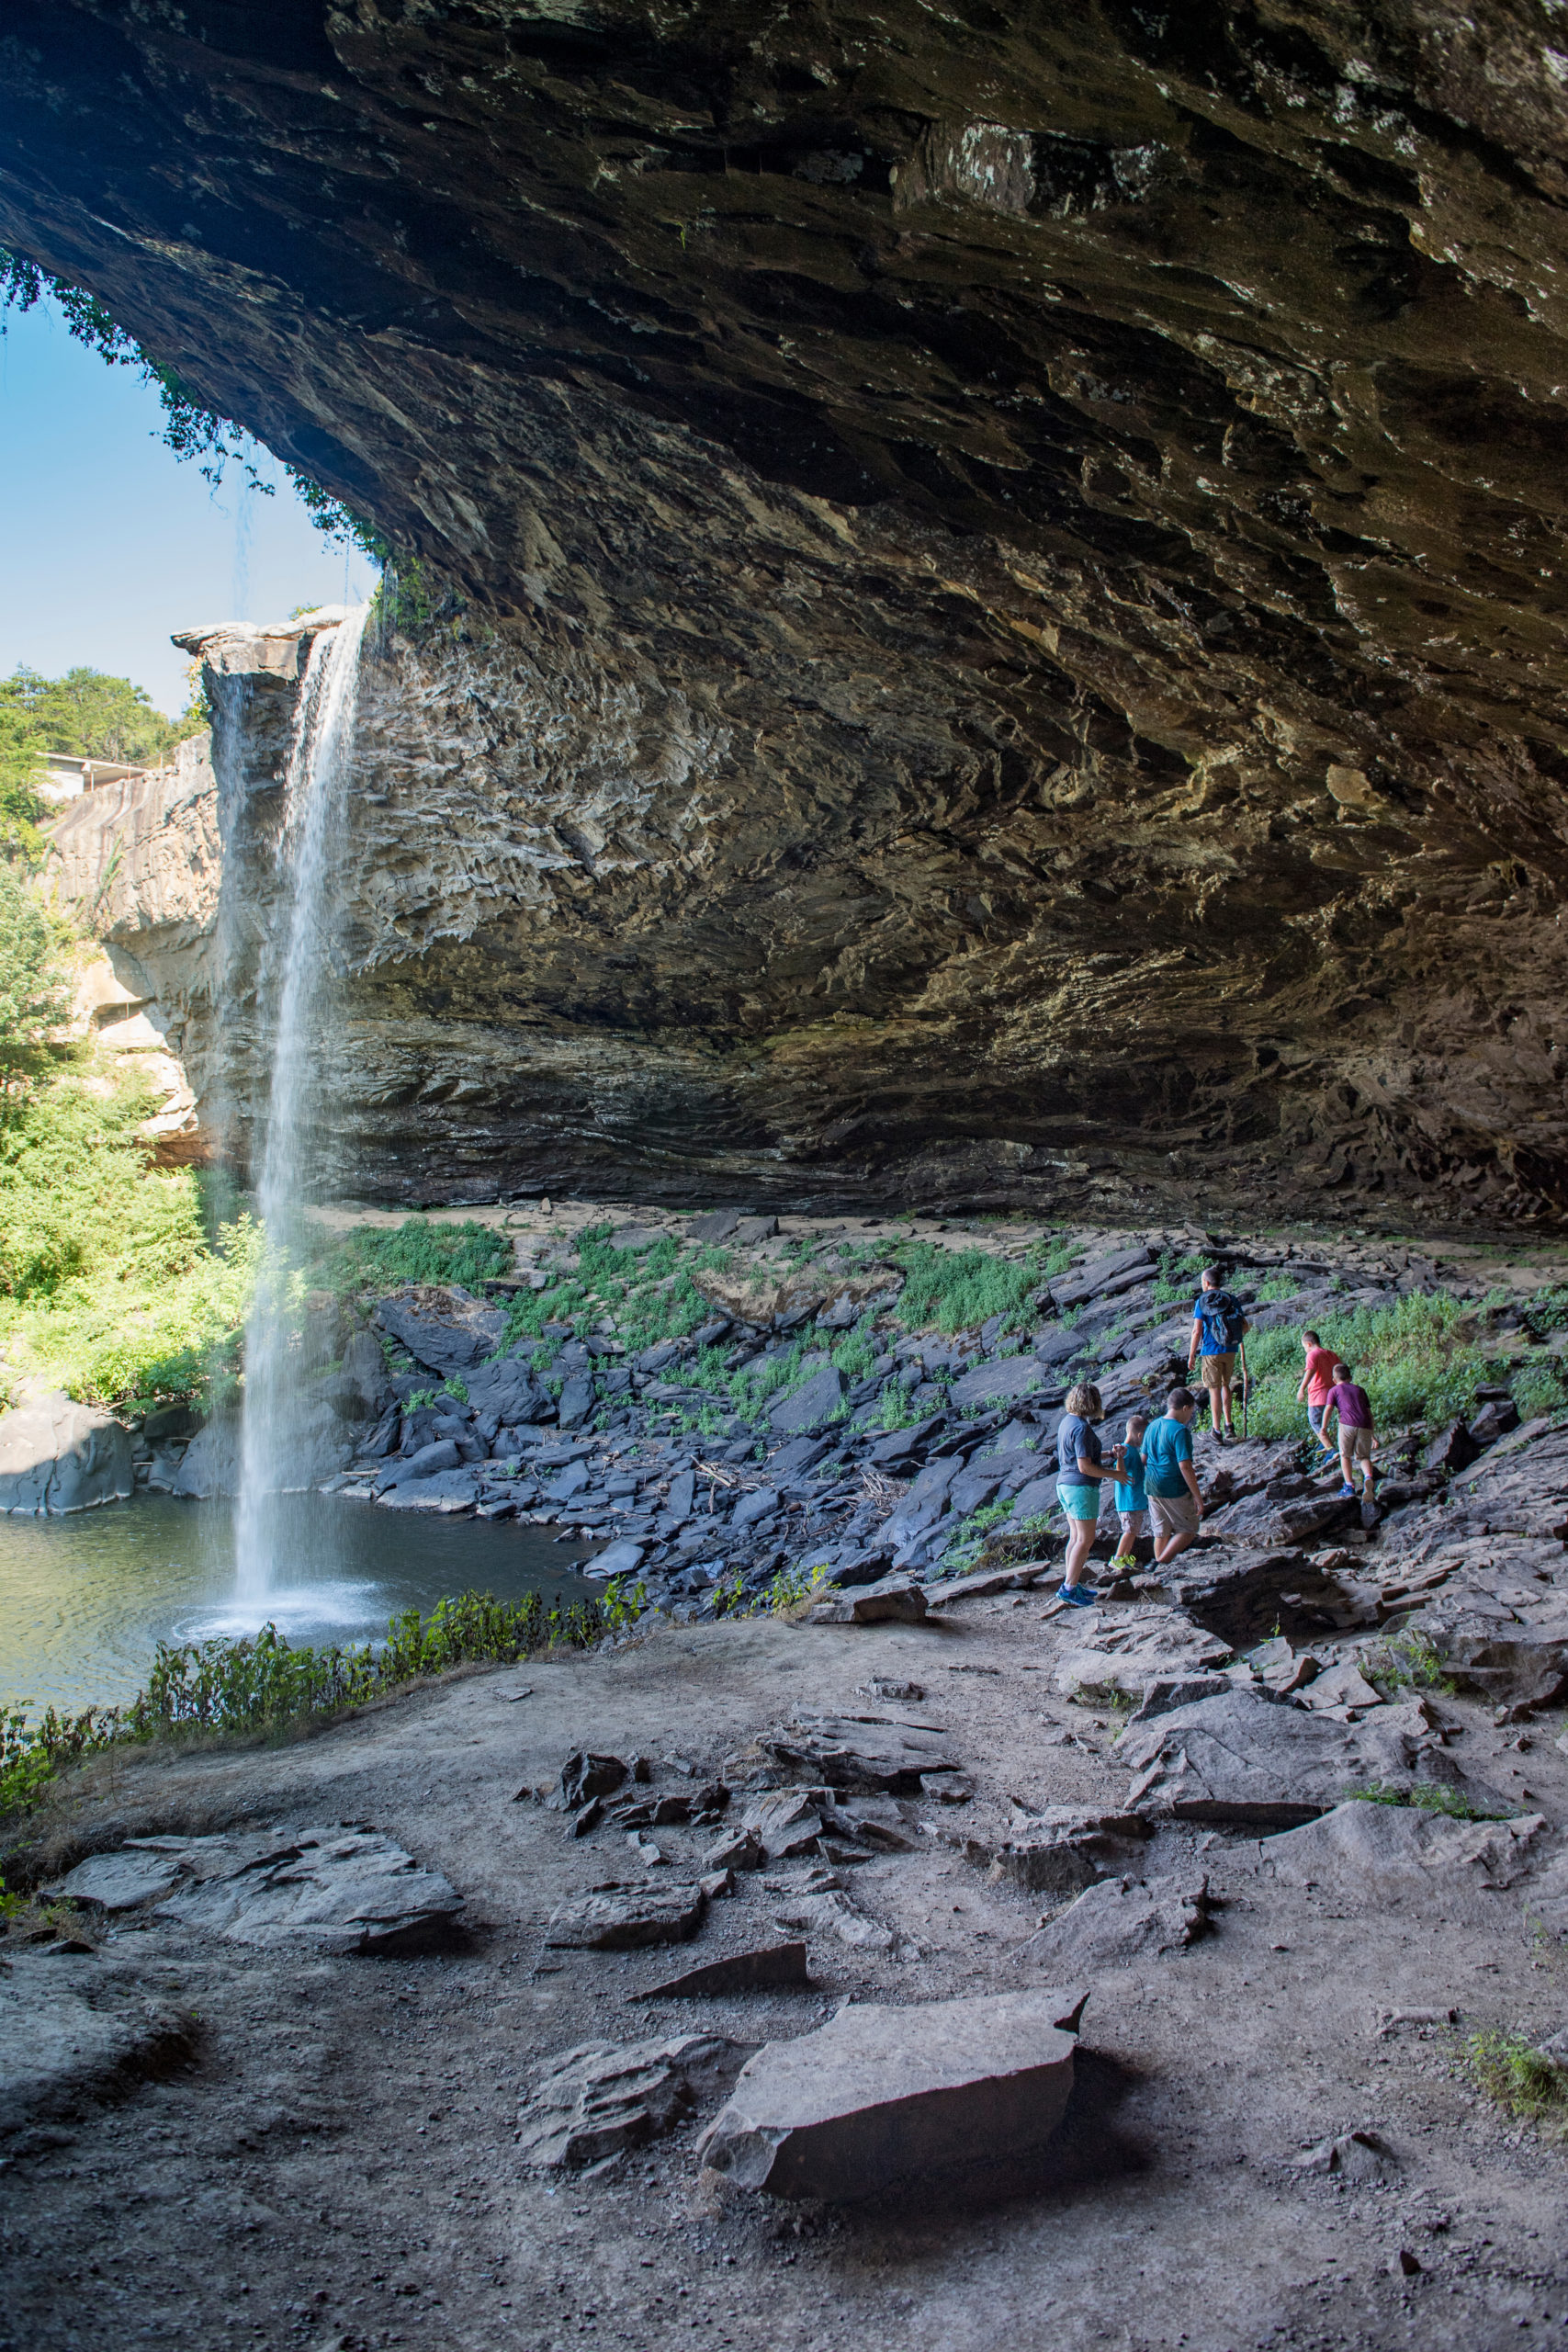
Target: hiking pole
{"x": 1245, "y": 1389}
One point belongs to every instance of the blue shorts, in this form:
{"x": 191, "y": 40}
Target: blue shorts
{"x": 1314, "y": 1419}
{"x": 1079, "y": 1502}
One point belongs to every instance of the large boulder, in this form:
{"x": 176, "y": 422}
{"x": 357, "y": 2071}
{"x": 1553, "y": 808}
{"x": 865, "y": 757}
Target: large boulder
{"x": 881, "y": 2095}
{"x": 211, "y": 1462}
{"x": 58, "y": 1456}
{"x": 444, "y": 1328}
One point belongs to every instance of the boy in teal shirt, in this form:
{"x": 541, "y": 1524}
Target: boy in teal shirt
{"x": 1131, "y": 1503}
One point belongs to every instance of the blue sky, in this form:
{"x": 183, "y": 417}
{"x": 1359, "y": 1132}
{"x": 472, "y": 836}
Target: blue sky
{"x": 108, "y": 542}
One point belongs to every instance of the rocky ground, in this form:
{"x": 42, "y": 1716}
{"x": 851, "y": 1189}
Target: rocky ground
{"x": 329, "y": 2152}
{"x": 344, "y": 2044}
{"x": 937, "y": 1451}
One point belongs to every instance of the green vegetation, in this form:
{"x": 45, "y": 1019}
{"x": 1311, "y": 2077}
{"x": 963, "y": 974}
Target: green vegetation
{"x": 1177, "y": 1280}
{"x": 94, "y": 715}
{"x": 22, "y": 771}
{"x": 1524, "y": 2081}
{"x": 969, "y": 1537}
{"x": 376, "y": 1259}
{"x": 958, "y": 1290}
{"x": 192, "y": 428}
{"x": 108, "y": 1282}
{"x": 1417, "y": 1360}
{"x": 1426, "y": 1796}
{"x": 35, "y": 990}
{"x": 1406, "y": 1661}
{"x": 223, "y": 1690}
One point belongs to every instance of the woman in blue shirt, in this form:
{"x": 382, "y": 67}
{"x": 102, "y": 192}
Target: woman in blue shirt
{"x": 1078, "y": 1477}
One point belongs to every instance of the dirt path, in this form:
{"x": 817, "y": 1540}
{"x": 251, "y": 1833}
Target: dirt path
{"x": 337, "y": 2167}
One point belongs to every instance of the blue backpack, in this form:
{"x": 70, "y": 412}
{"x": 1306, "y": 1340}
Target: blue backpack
{"x": 1220, "y": 1321}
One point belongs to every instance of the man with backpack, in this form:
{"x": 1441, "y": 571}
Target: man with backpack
{"x": 1219, "y": 1327}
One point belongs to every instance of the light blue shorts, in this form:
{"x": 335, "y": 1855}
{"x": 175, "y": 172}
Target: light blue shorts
{"x": 1079, "y": 1502}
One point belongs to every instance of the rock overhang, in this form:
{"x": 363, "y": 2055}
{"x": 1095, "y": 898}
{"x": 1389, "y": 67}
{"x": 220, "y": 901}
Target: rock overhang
{"x": 991, "y": 594}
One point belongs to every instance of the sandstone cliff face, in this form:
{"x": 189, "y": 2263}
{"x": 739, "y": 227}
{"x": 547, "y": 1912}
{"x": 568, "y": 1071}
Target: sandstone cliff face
{"x": 140, "y": 862}
{"x": 997, "y": 576}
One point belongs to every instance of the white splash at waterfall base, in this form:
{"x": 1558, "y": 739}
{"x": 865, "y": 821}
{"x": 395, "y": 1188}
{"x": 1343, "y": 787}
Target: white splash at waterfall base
{"x": 275, "y": 1438}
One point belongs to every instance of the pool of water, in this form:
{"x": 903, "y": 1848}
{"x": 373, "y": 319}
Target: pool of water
{"x": 84, "y": 1599}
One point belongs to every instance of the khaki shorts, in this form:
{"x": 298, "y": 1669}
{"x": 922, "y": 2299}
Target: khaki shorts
{"x": 1217, "y": 1371}
{"x": 1355, "y": 1445}
{"x": 1174, "y": 1514}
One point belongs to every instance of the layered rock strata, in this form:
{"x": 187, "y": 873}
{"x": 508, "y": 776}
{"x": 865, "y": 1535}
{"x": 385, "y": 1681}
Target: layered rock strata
{"x": 990, "y": 587}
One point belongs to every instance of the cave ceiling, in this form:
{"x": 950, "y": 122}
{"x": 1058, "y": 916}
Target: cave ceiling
{"x": 984, "y": 587}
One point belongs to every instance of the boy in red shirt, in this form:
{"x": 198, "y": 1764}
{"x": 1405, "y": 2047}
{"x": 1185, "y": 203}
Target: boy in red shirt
{"x": 1356, "y": 1442}
{"x": 1316, "y": 1382}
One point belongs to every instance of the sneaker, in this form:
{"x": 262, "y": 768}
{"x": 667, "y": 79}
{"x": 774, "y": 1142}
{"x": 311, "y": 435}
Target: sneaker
{"x": 1082, "y": 1596}
{"x": 1347, "y": 1494}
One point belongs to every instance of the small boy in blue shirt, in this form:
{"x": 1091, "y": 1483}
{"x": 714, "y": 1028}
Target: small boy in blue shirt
{"x": 1131, "y": 1503}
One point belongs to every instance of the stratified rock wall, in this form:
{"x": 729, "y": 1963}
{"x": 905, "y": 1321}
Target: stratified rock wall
{"x": 991, "y": 582}
{"x": 139, "y": 865}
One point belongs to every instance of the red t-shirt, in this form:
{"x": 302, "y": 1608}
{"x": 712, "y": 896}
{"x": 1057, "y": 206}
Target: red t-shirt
{"x": 1320, "y": 1366}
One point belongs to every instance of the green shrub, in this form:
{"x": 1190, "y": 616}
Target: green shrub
{"x": 1416, "y": 1361}
{"x": 1426, "y": 1796}
{"x": 1524, "y": 2081}
{"x": 35, "y": 987}
{"x": 1406, "y": 1661}
{"x": 108, "y": 1282}
{"x": 262, "y": 1684}
{"x": 419, "y": 1251}
{"x": 957, "y": 1289}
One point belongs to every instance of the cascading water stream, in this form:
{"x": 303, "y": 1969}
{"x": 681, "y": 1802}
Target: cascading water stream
{"x": 292, "y": 991}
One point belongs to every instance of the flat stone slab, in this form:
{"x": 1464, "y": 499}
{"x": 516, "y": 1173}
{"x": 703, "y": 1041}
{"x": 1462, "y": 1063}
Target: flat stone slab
{"x": 1387, "y": 1849}
{"x": 1120, "y": 1921}
{"x": 999, "y": 1382}
{"x": 821, "y": 1400}
{"x": 898, "y": 1600}
{"x": 740, "y": 1971}
{"x": 606, "y": 2096}
{"x": 870, "y": 1754}
{"x": 56, "y": 1456}
{"x": 78, "y": 2026}
{"x": 985, "y": 1582}
{"x": 883, "y": 2095}
{"x": 330, "y": 1890}
{"x": 625, "y": 1918}
{"x": 1245, "y": 1757}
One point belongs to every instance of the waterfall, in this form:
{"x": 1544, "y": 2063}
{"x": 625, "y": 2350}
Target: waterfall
{"x": 292, "y": 992}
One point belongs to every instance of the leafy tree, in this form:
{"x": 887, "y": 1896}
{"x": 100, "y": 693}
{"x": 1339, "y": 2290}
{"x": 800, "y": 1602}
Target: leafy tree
{"x": 21, "y": 770}
{"x": 99, "y": 717}
{"x": 35, "y": 993}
